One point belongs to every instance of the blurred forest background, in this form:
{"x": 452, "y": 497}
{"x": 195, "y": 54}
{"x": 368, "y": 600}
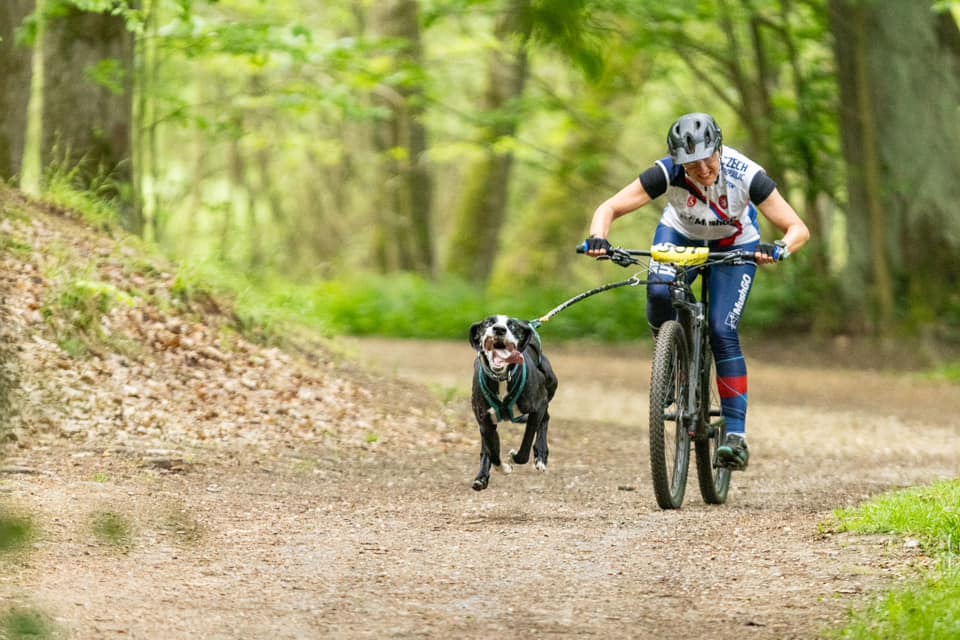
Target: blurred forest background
{"x": 406, "y": 167}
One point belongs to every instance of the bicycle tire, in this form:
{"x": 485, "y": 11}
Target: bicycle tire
{"x": 714, "y": 480}
{"x": 669, "y": 436}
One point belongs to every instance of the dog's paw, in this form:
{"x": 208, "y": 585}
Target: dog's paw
{"x": 504, "y": 467}
{"x": 515, "y": 459}
{"x": 541, "y": 466}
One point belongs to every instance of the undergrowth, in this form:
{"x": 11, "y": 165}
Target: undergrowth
{"x": 928, "y": 608}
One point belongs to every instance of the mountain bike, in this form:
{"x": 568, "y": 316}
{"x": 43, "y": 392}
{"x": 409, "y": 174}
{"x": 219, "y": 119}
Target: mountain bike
{"x": 684, "y": 401}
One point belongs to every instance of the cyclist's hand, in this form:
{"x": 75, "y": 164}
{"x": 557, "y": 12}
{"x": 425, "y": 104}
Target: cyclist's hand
{"x": 597, "y": 246}
{"x": 769, "y": 252}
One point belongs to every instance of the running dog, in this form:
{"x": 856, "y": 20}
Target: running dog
{"x": 512, "y": 380}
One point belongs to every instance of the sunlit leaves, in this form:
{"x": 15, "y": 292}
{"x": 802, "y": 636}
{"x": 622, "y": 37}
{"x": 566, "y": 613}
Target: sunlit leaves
{"x": 110, "y": 74}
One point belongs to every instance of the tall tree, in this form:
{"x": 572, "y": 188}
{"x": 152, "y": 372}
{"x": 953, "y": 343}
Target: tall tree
{"x": 899, "y": 77}
{"x": 482, "y": 209}
{"x": 15, "y": 77}
{"x": 87, "y": 99}
{"x": 557, "y": 213}
{"x": 404, "y": 238}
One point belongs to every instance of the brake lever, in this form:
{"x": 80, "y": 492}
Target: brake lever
{"x": 622, "y": 258}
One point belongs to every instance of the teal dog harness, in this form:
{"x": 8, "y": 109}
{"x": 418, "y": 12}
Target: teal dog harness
{"x": 502, "y": 393}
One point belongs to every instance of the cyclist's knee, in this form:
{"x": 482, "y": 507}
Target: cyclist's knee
{"x": 725, "y": 341}
{"x": 659, "y": 307}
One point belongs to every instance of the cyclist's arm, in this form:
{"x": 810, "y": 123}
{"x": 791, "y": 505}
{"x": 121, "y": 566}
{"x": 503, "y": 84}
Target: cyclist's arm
{"x": 779, "y": 212}
{"x": 630, "y": 198}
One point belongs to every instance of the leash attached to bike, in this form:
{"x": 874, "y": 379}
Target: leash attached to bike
{"x": 632, "y": 282}
{"x": 620, "y": 257}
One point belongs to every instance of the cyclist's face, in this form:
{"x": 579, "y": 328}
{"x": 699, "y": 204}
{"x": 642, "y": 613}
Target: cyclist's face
{"x": 704, "y": 171}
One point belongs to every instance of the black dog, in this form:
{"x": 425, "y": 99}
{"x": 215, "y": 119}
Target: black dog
{"x": 512, "y": 380}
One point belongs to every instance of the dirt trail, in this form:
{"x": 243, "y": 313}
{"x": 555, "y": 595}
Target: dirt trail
{"x": 387, "y": 540}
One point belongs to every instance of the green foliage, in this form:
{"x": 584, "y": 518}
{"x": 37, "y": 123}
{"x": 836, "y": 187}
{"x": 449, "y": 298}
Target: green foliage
{"x": 409, "y": 306}
{"x": 257, "y": 123}
{"x": 93, "y": 200}
{"x": 925, "y": 610}
{"x": 26, "y": 624}
{"x": 108, "y": 74}
{"x": 949, "y": 373}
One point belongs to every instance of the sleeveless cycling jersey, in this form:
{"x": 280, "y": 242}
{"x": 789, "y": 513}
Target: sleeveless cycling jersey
{"x": 720, "y": 213}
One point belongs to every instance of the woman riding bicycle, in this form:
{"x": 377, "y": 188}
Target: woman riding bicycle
{"x": 713, "y": 193}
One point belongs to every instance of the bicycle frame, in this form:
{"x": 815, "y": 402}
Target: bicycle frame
{"x": 691, "y": 313}
{"x": 692, "y": 410}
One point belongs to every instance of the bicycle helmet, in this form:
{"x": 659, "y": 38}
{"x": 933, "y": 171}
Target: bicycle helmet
{"x": 695, "y": 136}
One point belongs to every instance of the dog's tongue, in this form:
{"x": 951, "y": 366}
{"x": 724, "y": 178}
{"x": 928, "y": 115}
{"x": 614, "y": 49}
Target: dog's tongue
{"x": 508, "y": 356}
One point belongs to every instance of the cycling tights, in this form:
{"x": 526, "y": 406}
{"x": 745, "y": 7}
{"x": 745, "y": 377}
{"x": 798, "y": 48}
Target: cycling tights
{"x": 729, "y": 289}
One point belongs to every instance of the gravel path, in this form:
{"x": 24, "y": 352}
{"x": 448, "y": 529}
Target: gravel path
{"x": 385, "y": 538}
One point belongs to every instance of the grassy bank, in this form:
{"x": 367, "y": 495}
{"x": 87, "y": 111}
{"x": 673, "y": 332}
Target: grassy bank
{"x": 928, "y": 608}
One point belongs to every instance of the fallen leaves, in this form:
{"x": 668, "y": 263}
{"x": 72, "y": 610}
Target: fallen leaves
{"x": 167, "y": 375}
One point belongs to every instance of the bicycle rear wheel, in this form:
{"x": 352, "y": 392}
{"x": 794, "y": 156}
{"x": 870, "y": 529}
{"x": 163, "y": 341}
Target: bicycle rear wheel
{"x": 714, "y": 480}
{"x": 669, "y": 438}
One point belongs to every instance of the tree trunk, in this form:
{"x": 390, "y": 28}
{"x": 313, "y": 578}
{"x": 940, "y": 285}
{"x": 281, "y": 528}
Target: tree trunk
{"x": 898, "y": 72}
{"x": 404, "y": 234}
{"x": 481, "y": 214}
{"x": 87, "y": 123}
{"x": 15, "y": 78}
{"x": 816, "y": 184}
{"x": 559, "y": 214}
{"x": 146, "y": 156}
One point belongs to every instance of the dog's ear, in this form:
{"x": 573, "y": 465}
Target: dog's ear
{"x": 522, "y": 331}
{"x": 476, "y": 332}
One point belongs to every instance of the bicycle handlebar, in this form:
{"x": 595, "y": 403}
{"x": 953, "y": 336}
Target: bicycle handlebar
{"x": 684, "y": 256}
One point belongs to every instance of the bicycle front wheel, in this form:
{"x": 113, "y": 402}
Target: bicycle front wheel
{"x": 714, "y": 480}
{"x": 669, "y": 437}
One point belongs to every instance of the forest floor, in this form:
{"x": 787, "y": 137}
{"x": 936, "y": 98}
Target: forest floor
{"x": 184, "y": 482}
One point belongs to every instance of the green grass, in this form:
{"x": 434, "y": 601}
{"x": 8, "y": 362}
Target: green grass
{"x": 96, "y": 204}
{"x": 16, "y": 531}
{"x": 74, "y": 314}
{"x": 112, "y": 530}
{"x": 930, "y": 513}
{"x": 20, "y": 623}
{"x": 947, "y": 373}
{"x": 928, "y": 609}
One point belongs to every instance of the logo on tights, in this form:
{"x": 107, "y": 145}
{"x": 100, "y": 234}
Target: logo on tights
{"x": 733, "y": 318}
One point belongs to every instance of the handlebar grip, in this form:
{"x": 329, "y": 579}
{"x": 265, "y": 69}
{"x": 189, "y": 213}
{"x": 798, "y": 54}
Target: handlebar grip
{"x": 582, "y": 248}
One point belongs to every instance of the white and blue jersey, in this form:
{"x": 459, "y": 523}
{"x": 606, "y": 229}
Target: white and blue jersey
{"x": 721, "y": 214}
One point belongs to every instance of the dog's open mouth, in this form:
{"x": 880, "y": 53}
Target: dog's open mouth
{"x": 501, "y": 353}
